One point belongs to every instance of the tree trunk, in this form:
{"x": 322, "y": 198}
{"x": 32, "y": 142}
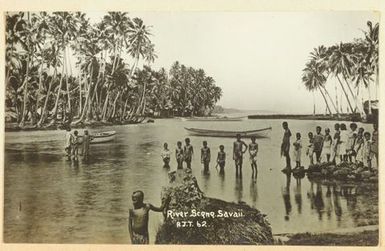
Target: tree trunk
{"x": 330, "y": 98}
{"x": 326, "y": 102}
{"x": 44, "y": 110}
{"x": 25, "y": 94}
{"x": 346, "y": 95}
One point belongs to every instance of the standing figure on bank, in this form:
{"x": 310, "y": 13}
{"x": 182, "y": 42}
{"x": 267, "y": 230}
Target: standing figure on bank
{"x": 344, "y": 143}
{"x": 297, "y": 150}
{"x": 352, "y": 136}
{"x": 358, "y": 146}
{"x": 221, "y": 159}
{"x": 253, "y": 151}
{"x": 310, "y": 148}
{"x": 138, "y": 218}
{"x": 375, "y": 142}
{"x": 188, "y": 153}
{"x": 336, "y": 149}
{"x": 238, "y": 152}
{"x": 179, "y": 155}
{"x": 367, "y": 151}
{"x": 205, "y": 157}
{"x": 285, "y": 146}
{"x": 327, "y": 145}
{"x": 318, "y": 144}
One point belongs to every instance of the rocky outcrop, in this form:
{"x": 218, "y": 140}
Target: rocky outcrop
{"x": 193, "y": 218}
{"x": 342, "y": 172}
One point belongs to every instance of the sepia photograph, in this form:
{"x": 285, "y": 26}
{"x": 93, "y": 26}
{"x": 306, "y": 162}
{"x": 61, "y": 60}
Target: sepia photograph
{"x": 182, "y": 127}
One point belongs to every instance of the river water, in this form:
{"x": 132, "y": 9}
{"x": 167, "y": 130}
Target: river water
{"x": 49, "y": 199}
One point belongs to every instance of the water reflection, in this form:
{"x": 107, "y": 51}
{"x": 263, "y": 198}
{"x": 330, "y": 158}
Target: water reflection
{"x": 298, "y": 195}
{"x": 254, "y": 191}
{"x": 239, "y": 188}
{"x": 286, "y": 197}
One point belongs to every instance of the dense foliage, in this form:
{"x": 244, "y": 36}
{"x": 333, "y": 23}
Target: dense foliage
{"x": 107, "y": 81}
{"x": 353, "y": 64}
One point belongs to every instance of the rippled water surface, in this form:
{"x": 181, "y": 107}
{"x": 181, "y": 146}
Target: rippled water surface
{"x": 53, "y": 200}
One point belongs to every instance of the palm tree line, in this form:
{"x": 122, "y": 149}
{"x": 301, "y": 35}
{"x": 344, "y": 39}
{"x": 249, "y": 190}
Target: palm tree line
{"x": 45, "y": 88}
{"x": 355, "y": 67}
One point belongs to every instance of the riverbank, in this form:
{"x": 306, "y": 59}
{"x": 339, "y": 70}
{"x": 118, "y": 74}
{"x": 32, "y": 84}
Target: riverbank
{"x": 341, "y": 117}
{"x": 354, "y": 237}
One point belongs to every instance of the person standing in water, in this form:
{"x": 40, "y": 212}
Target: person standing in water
{"x": 86, "y": 144}
{"x": 285, "y": 146}
{"x": 179, "y": 155}
{"x": 253, "y": 150}
{"x": 188, "y": 153}
{"x": 374, "y": 147}
{"x": 68, "y": 142}
{"x": 138, "y": 218}
{"x": 166, "y": 156}
{"x": 238, "y": 154}
{"x": 221, "y": 159}
{"x": 205, "y": 157}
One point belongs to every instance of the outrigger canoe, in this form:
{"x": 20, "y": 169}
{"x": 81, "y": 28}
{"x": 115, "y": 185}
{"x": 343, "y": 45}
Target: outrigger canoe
{"x": 259, "y": 133}
{"x": 102, "y": 137}
{"x": 210, "y": 119}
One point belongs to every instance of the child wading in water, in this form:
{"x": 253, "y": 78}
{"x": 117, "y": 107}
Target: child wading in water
{"x": 179, "y": 155}
{"x": 166, "y": 154}
{"x": 86, "y": 144}
{"x": 310, "y": 148}
{"x": 327, "y": 145}
{"x": 75, "y": 144}
{"x": 367, "y": 151}
{"x": 344, "y": 138}
{"x": 68, "y": 142}
{"x": 221, "y": 159}
{"x": 205, "y": 157}
{"x": 336, "y": 143}
{"x": 297, "y": 150}
{"x": 138, "y": 218}
{"x": 238, "y": 154}
{"x": 253, "y": 150}
{"x": 188, "y": 153}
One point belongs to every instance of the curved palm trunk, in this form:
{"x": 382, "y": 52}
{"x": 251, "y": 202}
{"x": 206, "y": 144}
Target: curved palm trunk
{"x": 346, "y": 95}
{"x": 326, "y": 102}
{"x": 44, "y": 110}
{"x": 25, "y": 94}
{"x": 330, "y": 98}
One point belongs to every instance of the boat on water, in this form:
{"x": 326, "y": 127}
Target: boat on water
{"x": 259, "y": 133}
{"x": 102, "y": 137}
{"x": 220, "y": 119}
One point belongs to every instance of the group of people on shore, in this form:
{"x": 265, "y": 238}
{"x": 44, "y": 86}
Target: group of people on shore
{"x": 74, "y": 142}
{"x": 353, "y": 146}
{"x": 184, "y": 155}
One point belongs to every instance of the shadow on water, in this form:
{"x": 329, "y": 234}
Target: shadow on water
{"x": 298, "y": 195}
{"x": 239, "y": 188}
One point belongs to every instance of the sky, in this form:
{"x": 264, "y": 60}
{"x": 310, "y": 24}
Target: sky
{"x": 255, "y": 57}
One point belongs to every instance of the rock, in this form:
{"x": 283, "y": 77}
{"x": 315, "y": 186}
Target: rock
{"x": 366, "y": 174}
{"x": 251, "y": 227}
{"x": 341, "y": 174}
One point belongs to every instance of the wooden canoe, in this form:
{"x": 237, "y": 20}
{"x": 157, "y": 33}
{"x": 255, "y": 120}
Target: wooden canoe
{"x": 101, "y": 137}
{"x": 259, "y": 133}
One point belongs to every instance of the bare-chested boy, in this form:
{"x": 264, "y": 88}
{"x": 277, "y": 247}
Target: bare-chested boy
{"x": 253, "y": 151}
{"x": 138, "y": 218}
{"x": 188, "y": 153}
{"x": 238, "y": 154}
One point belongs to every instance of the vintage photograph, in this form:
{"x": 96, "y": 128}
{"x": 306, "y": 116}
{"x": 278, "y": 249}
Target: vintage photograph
{"x": 225, "y": 128}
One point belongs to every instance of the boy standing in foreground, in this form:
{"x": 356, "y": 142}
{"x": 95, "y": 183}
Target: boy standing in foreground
{"x": 205, "y": 157}
{"x": 188, "y": 153}
{"x": 253, "y": 150}
{"x": 238, "y": 154}
{"x": 138, "y": 218}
